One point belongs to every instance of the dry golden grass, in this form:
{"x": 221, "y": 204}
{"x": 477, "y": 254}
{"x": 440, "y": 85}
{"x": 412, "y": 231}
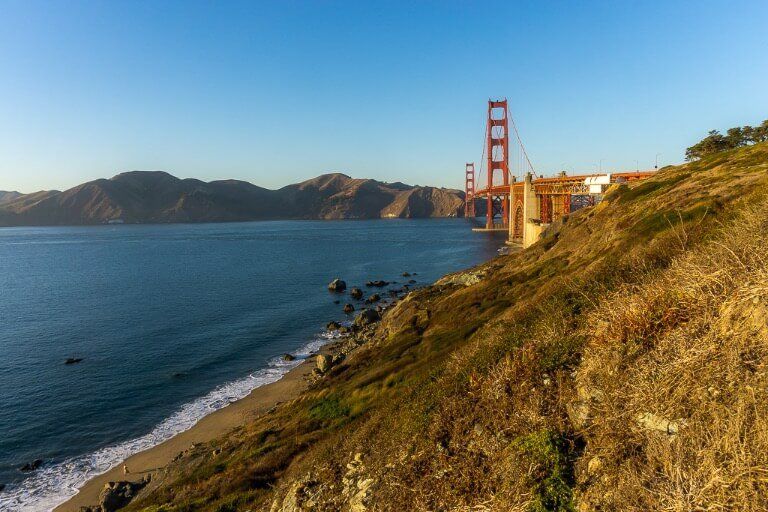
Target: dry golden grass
{"x": 690, "y": 345}
{"x": 619, "y": 364}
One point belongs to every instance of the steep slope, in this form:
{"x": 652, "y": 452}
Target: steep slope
{"x": 425, "y": 202}
{"x": 337, "y": 196}
{"x": 621, "y": 363}
{"x": 156, "y": 197}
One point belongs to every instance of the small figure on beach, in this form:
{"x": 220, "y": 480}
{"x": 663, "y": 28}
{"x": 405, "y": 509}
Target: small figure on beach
{"x": 125, "y": 469}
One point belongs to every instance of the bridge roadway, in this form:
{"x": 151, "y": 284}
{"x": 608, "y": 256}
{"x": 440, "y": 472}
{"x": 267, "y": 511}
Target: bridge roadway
{"x": 529, "y": 206}
{"x": 559, "y": 184}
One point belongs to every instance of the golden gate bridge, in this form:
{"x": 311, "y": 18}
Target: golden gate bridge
{"x": 524, "y": 204}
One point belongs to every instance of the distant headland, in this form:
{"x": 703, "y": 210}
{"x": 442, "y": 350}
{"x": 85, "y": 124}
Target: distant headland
{"x": 146, "y": 197}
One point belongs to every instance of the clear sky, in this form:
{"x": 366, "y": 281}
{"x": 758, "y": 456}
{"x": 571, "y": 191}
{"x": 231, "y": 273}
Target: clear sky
{"x": 277, "y": 92}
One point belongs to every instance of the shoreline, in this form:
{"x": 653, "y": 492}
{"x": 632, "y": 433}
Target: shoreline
{"x": 154, "y": 459}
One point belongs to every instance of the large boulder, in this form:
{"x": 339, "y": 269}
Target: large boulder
{"x": 367, "y": 317}
{"x": 373, "y": 298}
{"x": 323, "y": 363}
{"x": 116, "y": 495}
{"x": 356, "y": 293}
{"x": 348, "y": 308}
{"x": 337, "y": 285}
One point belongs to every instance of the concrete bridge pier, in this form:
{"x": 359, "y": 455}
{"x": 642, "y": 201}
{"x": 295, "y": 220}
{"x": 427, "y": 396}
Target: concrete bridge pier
{"x": 525, "y": 226}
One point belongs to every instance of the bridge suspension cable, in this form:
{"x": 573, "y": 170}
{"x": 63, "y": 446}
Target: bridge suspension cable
{"x": 520, "y": 143}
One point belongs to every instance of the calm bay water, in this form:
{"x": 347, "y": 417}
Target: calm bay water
{"x": 172, "y": 322}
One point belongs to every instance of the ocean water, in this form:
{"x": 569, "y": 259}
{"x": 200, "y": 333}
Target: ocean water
{"x": 172, "y": 323}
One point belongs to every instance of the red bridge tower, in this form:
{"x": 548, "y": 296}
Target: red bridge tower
{"x": 469, "y": 191}
{"x": 497, "y": 139}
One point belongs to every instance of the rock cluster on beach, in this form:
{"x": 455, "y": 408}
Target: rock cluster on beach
{"x": 116, "y": 495}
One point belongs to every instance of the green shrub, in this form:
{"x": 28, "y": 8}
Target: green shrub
{"x": 328, "y": 409}
{"x": 553, "y": 472}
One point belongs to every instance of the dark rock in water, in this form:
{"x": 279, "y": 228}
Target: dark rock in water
{"x": 333, "y": 326}
{"x": 356, "y": 293}
{"x": 406, "y": 274}
{"x": 395, "y": 292}
{"x": 337, "y": 302}
{"x": 31, "y": 466}
{"x": 348, "y": 308}
{"x": 373, "y": 298}
{"x": 73, "y": 360}
{"x": 414, "y": 274}
{"x": 366, "y": 317}
{"x": 288, "y": 357}
{"x": 116, "y": 495}
{"x": 179, "y": 375}
{"x": 2, "y": 486}
{"x": 411, "y": 281}
{"x": 377, "y": 284}
{"x": 337, "y": 285}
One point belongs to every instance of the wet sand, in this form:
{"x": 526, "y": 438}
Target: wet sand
{"x": 259, "y": 401}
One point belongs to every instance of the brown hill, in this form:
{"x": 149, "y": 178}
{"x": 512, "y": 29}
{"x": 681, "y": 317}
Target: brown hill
{"x": 6, "y": 196}
{"x": 158, "y": 197}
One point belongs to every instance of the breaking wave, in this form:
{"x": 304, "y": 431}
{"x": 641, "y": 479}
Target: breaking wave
{"x": 52, "y": 485}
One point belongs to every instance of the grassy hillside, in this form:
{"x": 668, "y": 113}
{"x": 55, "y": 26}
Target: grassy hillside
{"x": 618, "y": 364}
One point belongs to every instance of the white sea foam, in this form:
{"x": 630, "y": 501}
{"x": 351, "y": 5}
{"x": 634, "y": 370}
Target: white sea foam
{"x": 52, "y": 485}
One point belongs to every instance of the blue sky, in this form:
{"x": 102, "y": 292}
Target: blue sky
{"x": 278, "y": 92}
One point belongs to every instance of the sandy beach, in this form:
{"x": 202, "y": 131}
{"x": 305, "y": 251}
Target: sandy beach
{"x": 150, "y": 461}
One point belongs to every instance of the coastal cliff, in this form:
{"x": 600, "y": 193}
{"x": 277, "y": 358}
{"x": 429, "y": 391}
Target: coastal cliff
{"x": 158, "y": 197}
{"x": 620, "y": 363}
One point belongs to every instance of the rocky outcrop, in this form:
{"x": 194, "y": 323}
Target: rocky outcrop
{"x": 299, "y": 498}
{"x": 356, "y": 293}
{"x": 116, "y": 495}
{"x": 323, "y": 363}
{"x": 465, "y": 278}
{"x": 367, "y": 317}
{"x": 356, "y": 486}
